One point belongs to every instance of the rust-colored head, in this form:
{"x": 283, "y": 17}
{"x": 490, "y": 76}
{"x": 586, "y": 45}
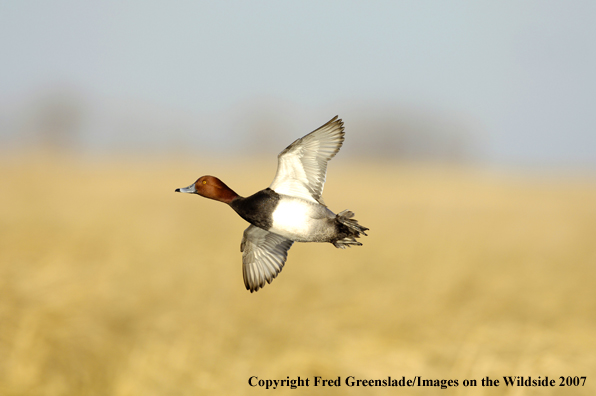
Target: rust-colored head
{"x": 210, "y": 187}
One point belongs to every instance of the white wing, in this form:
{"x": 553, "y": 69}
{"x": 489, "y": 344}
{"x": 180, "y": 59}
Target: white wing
{"x": 263, "y": 256}
{"x": 302, "y": 166}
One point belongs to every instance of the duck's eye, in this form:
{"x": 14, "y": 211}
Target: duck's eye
{"x": 204, "y": 181}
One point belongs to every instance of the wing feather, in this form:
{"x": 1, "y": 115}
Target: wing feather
{"x": 302, "y": 166}
{"x": 263, "y": 256}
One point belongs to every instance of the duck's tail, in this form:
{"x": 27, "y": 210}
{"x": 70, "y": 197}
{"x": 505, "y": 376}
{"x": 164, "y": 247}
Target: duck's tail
{"x": 350, "y": 230}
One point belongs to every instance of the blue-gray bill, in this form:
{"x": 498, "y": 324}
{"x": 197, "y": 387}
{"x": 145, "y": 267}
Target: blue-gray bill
{"x": 190, "y": 189}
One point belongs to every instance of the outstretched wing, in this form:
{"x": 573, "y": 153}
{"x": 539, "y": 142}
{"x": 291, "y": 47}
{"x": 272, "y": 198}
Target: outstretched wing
{"x": 263, "y": 256}
{"x": 302, "y": 166}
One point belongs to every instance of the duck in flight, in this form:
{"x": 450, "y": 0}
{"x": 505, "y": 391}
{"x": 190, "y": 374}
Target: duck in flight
{"x": 290, "y": 210}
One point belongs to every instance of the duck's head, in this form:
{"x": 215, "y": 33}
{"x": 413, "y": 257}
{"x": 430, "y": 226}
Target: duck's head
{"x": 210, "y": 187}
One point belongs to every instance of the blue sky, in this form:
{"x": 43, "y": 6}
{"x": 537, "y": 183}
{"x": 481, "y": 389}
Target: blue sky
{"x": 522, "y": 74}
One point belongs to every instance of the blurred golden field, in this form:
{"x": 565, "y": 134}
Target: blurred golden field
{"x": 112, "y": 284}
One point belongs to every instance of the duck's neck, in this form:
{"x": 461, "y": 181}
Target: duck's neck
{"x": 217, "y": 190}
{"x": 227, "y": 195}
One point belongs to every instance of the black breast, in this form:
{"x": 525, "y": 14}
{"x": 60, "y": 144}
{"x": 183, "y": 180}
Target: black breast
{"x": 258, "y": 208}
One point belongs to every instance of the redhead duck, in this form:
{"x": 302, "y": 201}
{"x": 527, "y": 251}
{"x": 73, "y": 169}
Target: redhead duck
{"x": 290, "y": 210}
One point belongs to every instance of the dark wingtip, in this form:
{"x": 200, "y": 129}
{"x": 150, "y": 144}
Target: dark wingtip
{"x": 177, "y": 190}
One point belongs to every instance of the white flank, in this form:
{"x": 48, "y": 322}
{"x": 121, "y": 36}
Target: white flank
{"x": 292, "y": 219}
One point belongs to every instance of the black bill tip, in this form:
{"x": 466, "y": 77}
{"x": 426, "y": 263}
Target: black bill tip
{"x": 177, "y": 190}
